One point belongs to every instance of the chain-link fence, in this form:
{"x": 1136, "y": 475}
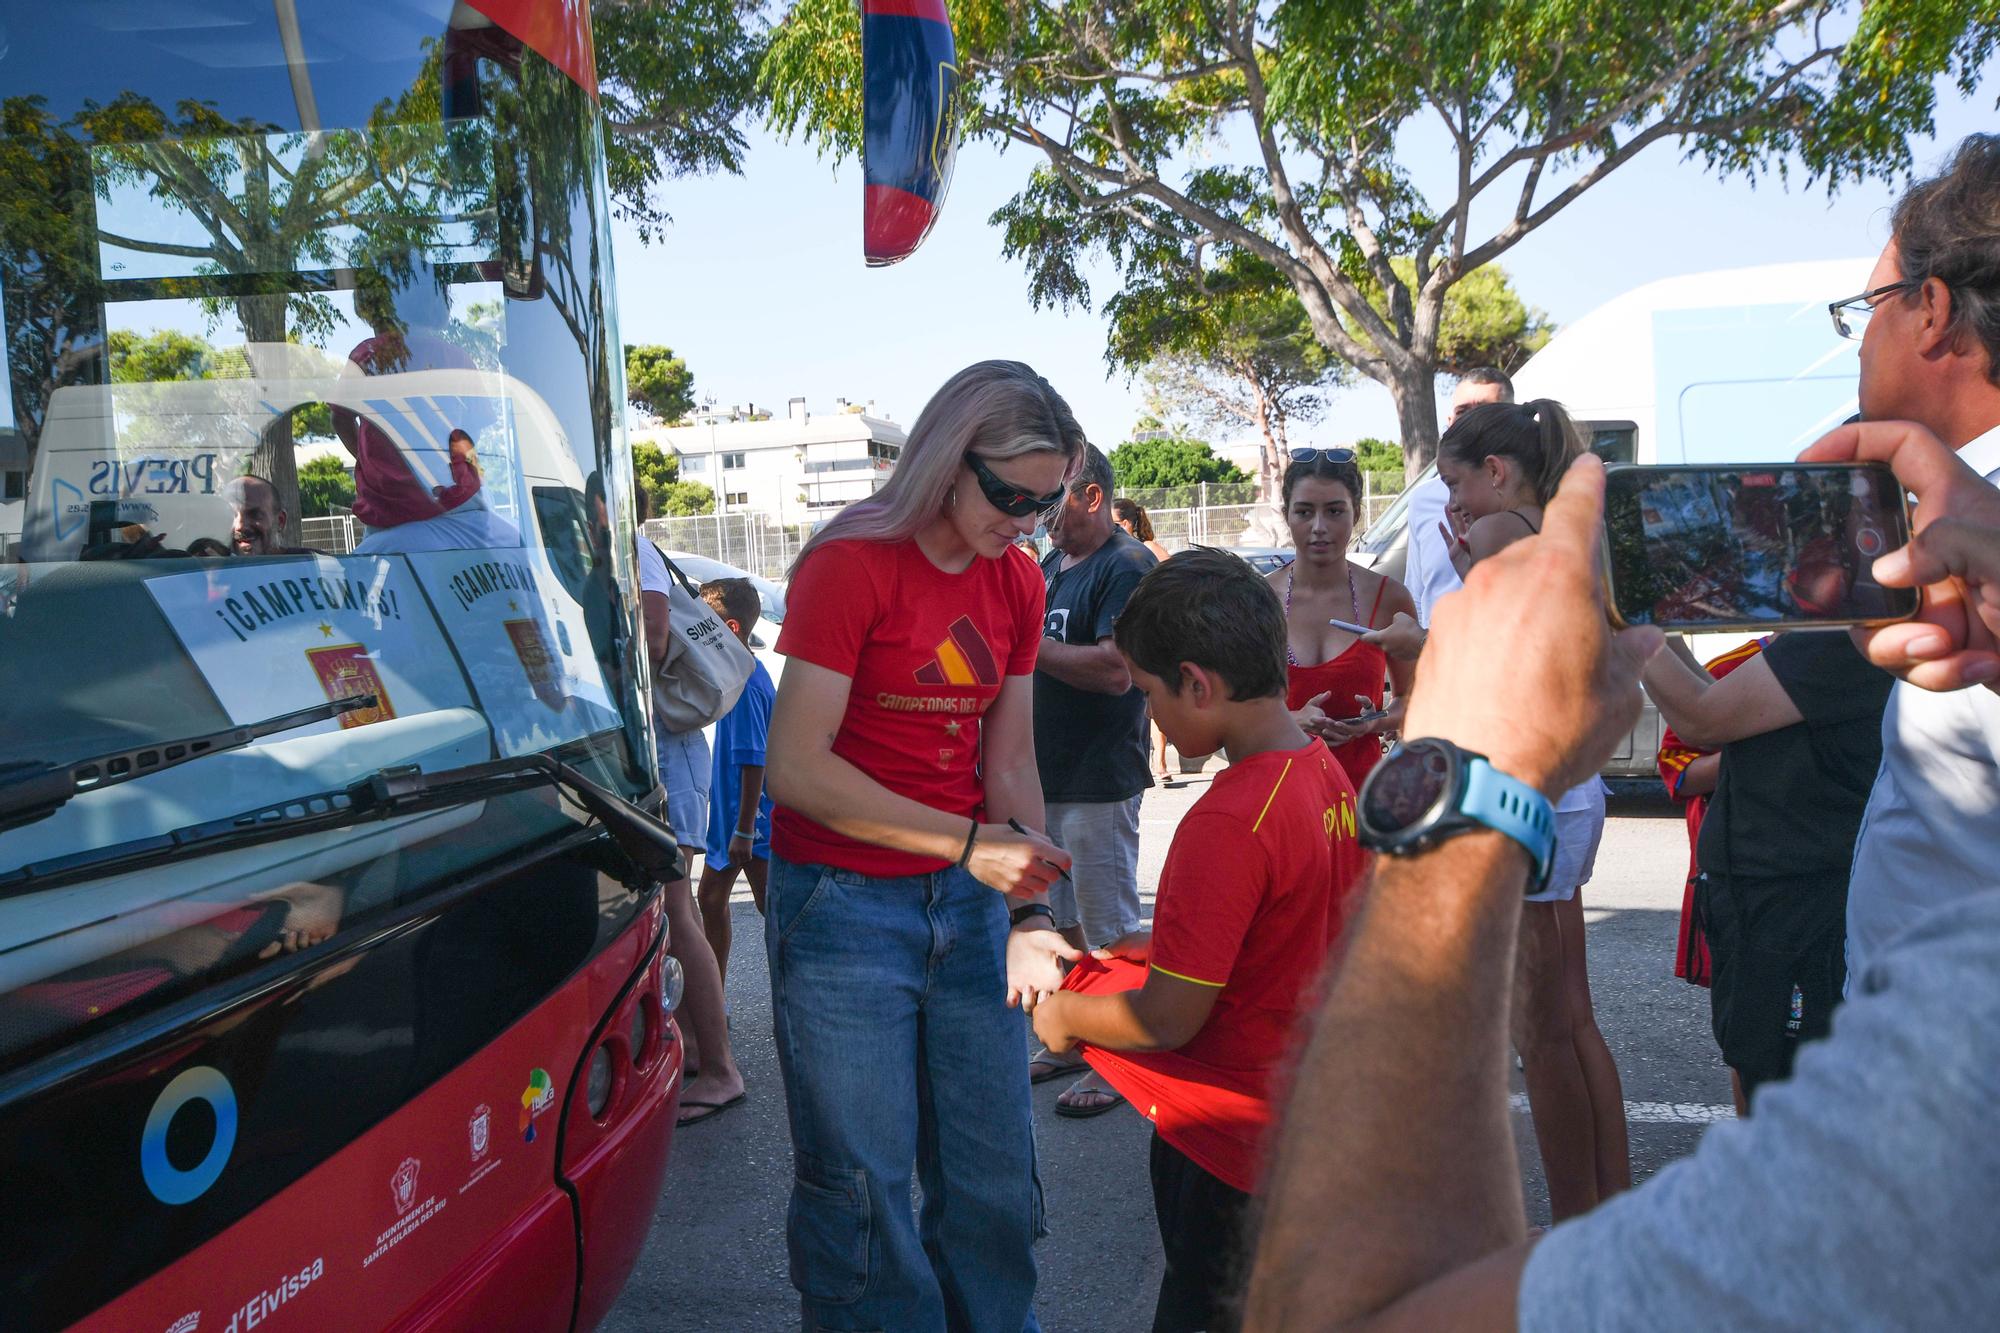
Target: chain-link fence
{"x": 335, "y": 534}
{"x": 753, "y": 542}
{"x": 1228, "y": 513}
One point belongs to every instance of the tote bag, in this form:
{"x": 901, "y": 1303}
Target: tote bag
{"x": 707, "y": 666}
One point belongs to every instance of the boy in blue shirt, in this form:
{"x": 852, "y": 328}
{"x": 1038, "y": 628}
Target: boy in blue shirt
{"x": 739, "y": 811}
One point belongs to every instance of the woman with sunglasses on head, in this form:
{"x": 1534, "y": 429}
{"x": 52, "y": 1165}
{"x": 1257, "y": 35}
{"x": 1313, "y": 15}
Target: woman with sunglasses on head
{"x": 1502, "y": 462}
{"x": 1334, "y": 677}
{"x": 906, "y": 917}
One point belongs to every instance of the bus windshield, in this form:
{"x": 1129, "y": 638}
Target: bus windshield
{"x": 311, "y": 393}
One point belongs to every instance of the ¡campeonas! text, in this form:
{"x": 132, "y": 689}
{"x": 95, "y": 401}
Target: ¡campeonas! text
{"x": 266, "y": 1303}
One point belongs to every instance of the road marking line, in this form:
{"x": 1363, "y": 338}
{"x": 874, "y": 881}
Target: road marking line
{"x": 1664, "y": 1113}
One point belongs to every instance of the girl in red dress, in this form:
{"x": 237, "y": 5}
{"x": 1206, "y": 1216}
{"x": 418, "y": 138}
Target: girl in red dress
{"x": 1334, "y": 679}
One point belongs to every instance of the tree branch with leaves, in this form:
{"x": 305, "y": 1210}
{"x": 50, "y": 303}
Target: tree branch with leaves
{"x": 1176, "y": 139}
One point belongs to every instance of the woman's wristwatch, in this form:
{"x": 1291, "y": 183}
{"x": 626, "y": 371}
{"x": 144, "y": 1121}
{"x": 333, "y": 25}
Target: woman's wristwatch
{"x": 1026, "y": 910}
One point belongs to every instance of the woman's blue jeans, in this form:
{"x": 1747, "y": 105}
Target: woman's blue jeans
{"x": 898, "y": 1052}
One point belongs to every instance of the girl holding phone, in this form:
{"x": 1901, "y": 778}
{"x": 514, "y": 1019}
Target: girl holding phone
{"x": 1502, "y": 462}
{"x": 1334, "y": 678}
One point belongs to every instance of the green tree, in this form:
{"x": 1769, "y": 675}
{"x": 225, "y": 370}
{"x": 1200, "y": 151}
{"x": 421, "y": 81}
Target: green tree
{"x": 1232, "y": 352}
{"x": 658, "y": 381}
{"x": 1170, "y": 461}
{"x": 1171, "y": 137}
{"x": 684, "y": 499}
{"x": 677, "y": 80}
{"x": 323, "y": 486}
{"x": 655, "y": 470}
{"x": 1373, "y": 455}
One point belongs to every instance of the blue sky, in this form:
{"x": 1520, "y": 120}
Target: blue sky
{"x": 760, "y": 285}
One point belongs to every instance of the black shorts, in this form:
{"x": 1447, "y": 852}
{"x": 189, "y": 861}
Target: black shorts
{"x": 1202, "y": 1229}
{"x": 1779, "y": 948}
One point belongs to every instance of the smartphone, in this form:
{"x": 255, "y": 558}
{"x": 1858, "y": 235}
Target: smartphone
{"x": 1753, "y": 546}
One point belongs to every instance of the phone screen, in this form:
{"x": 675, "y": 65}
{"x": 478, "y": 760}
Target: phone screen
{"x": 1745, "y": 546}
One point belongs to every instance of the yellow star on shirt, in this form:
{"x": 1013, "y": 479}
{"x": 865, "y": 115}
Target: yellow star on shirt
{"x": 951, "y": 728}
{"x": 325, "y": 629}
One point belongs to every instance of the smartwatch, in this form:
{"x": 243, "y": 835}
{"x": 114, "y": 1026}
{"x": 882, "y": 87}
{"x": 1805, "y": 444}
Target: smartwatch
{"x": 1425, "y": 791}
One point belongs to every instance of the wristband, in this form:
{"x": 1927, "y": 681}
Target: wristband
{"x": 1026, "y": 910}
{"x": 971, "y": 836}
{"x": 749, "y": 833}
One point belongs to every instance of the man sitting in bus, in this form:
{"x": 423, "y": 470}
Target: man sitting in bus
{"x": 260, "y": 518}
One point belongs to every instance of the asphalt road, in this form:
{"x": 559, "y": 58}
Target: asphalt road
{"x": 716, "y": 1255}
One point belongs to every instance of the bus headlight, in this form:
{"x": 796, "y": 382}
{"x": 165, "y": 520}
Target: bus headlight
{"x": 672, "y": 982}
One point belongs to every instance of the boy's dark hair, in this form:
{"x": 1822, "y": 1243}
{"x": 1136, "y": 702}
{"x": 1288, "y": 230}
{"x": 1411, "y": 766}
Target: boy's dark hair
{"x": 1207, "y": 607}
{"x": 734, "y": 599}
{"x": 1538, "y": 437}
{"x": 1948, "y": 228}
{"x": 1347, "y": 475}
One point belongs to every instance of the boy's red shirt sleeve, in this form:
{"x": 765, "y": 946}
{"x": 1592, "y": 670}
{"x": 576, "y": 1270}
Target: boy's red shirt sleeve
{"x": 1215, "y": 879}
{"x": 831, "y": 607}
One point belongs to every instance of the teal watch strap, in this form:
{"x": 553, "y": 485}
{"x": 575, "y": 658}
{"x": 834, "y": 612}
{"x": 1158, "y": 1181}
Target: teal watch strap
{"x": 1507, "y": 805}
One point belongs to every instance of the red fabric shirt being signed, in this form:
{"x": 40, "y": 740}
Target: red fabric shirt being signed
{"x": 927, "y": 652}
{"x": 1256, "y": 888}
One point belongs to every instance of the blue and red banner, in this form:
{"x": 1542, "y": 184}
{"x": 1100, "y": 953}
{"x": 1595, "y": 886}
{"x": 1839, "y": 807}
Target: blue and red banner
{"x": 909, "y": 77}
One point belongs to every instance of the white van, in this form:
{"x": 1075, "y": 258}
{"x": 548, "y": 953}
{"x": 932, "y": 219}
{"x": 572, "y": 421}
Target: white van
{"x": 1737, "y": 365}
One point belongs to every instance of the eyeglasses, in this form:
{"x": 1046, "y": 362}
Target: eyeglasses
{"x": 1330, "y": 455}
{"x": 1850, "y": 317}
{"x": 1008, "y": 498}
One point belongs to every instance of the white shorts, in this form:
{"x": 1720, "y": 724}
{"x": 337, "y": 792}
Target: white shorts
{"x": 1102, "y": 838}
{"x": 685, "y": 773}
{"x": 1577, "y": 835}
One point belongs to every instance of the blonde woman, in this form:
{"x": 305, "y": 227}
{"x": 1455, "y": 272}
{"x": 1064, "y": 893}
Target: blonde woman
{"x": 902, "y": 761}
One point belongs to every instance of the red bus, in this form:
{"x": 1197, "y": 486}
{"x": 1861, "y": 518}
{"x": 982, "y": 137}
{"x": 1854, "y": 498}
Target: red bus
{"x": 333, "y": 990}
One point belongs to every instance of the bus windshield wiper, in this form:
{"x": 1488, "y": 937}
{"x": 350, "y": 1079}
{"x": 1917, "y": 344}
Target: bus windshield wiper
{"x": 647, "y": 841}
{"x": 42, "y": 790}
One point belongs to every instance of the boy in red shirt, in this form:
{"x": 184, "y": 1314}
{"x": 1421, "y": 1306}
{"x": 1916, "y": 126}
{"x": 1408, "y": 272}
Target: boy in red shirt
{"x": 1192, "y": 1020}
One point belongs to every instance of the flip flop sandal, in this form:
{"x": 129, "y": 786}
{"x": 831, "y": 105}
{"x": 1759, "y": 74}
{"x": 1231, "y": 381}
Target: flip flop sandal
{"x": 709, "y": 1110}
{"x": 1074, "y": 1112}
{"x": 1050, "y": 1067}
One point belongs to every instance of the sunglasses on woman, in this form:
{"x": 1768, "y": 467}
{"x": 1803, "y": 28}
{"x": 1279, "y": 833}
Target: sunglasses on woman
{"x": 1330, "y": 455}
{"x": 1008, "y": 498}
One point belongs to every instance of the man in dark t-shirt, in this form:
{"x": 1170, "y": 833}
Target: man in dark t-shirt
{"x": 1090, "y": 736}
{"x": 1800, "y": 731}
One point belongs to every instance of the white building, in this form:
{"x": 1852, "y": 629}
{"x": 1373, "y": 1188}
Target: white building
{"x": 798, "y": 468}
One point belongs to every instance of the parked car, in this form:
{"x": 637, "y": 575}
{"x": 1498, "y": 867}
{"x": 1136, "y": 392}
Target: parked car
{"x": 1265, "y": 559}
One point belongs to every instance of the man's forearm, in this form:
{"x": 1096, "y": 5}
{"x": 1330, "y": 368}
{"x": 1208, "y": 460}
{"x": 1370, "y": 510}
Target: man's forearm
{"x": 1676, "y": 689}
{"x": 1096, "y": 667}
{"x": 1406, "y": 1074}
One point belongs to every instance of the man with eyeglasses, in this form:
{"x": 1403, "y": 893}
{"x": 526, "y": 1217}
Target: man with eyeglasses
{"x": 1929, "y": 329}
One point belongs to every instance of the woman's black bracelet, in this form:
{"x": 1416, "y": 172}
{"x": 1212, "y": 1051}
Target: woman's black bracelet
{"x": 971, "y": 836}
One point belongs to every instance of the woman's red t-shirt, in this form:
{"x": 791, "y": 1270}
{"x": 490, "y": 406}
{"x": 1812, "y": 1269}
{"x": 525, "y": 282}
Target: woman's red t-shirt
{"x": 926, "y": 652}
